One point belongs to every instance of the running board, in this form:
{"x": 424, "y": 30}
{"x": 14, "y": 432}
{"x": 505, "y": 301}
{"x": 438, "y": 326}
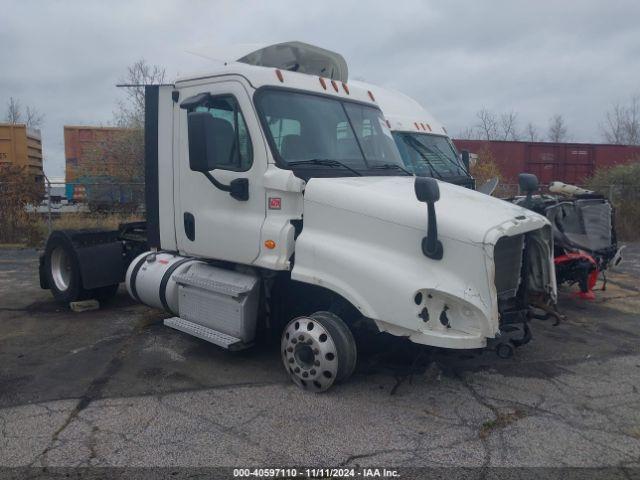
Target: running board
{"x": 208, "y": 334}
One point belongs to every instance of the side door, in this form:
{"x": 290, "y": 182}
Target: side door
{"x": 210, "y": 223}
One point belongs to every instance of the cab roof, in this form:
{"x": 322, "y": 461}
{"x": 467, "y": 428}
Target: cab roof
{"x": 402, "y": 112}
{"x": 294, "y": 65}
{"x": 291, "y": 56}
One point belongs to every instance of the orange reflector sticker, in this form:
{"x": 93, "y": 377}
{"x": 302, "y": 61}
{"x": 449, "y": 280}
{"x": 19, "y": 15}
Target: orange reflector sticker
{"x": 322, "y": 82}
{"x": 270, "y": 244}
{"x": 346, "y": 88}
{"x": 279, "y": 75}
{"x": 334, "y": 85}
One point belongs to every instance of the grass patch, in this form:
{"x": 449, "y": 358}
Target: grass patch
{"x": 502, "y": 420}
{"x": 34, "y": 232}
{"x": 78, "y": 221}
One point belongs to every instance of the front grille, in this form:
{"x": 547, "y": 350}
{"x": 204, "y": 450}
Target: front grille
{"x": 507, "y": 256}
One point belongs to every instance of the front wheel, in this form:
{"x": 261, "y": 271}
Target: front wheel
{"x": 318, "y": 351}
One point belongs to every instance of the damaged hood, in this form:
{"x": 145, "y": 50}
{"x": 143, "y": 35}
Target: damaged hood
{"x": 464, "y": 215}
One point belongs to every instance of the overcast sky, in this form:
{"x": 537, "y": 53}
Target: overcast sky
{"x": 537, "y": 58}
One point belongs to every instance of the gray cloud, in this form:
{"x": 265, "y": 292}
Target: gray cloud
{"x": 455, "y": 57}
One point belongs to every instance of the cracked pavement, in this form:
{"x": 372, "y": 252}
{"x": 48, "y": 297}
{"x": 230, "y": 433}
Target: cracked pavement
{"x": 115, "y": 387}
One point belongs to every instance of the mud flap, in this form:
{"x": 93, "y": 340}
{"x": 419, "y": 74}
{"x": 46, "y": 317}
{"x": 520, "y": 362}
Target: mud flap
{"x": 101, "y": 265}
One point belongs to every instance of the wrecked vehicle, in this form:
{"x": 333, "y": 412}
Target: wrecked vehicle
{"x": 276, "y": 199}
{"x": 585, "y": 243}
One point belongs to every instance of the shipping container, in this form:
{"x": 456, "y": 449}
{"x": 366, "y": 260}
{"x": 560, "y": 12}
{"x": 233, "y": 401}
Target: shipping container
{"x": 566, "y": 162}
{"x": 102, "y": 151}
{"x": 21, "y": 146}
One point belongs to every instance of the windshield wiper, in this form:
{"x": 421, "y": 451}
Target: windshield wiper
{"x": 324, "y": 162}
{"x": 452, "y": 162}
{"x": 390, "y": 166}
{"x": 417, "y": 146}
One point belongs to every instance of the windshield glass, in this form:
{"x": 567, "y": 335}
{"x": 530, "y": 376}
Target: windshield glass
{"x": 306, "y": 127}
{"x": 431, "y": 155}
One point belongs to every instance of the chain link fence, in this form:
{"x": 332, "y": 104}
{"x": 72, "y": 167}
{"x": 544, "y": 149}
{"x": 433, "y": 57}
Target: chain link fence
{"x": 28, "y": 219}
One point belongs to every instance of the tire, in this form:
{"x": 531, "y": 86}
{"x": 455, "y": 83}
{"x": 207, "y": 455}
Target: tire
{"x": 62, "y": 269}
{"x": 318, "y": 351}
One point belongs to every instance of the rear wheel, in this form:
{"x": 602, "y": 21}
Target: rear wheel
{"x": 62, "y": 269}
{"x": 318, "y": 351}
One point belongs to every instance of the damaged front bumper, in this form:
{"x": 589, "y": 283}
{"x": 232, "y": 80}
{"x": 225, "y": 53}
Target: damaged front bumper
{"x": 521, "y": 279}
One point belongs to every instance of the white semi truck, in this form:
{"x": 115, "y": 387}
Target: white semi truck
{"x": 276, "y": 197}
{"x": 422, "y": 140}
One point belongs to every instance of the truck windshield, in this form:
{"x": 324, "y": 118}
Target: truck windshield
{"x": 429, "y": 155}
{"x": 323, "y": 132}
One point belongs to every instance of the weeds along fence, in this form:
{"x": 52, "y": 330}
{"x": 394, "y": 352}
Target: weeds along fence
{"x": 28, "y": 219}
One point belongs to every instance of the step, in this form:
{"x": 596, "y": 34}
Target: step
{"x": 208, "y": 334}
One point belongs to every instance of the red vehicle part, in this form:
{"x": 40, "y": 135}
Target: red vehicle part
{"x": 581, "y": 268}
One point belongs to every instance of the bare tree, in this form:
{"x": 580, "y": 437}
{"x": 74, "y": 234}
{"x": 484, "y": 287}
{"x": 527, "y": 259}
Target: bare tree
{"x": 508, "y": 126}
{"x": 487, "y": 124}
{"x": 126, "y": 147}
{"x": 32, "y": 117}
{"x": 622, "y": 123}
{"x": 469, "y": 133}
{"x": 531, "y": 133}
{"x": 557, "y": 129}
{"x": 130, "y": 112}
{"x": 14, "y": 111}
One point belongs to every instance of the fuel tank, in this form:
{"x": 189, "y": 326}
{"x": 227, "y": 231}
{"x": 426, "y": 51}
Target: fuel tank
{"x": 151, "y": 278}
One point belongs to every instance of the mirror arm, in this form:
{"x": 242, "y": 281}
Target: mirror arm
{"x": 238, "y": 188}
{"x": 216, "y": 183}
{"x": 431, "y": 246}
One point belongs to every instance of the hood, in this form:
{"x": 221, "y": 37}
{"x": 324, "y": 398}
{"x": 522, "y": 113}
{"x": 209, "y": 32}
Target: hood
{"x": 464, "y": 215}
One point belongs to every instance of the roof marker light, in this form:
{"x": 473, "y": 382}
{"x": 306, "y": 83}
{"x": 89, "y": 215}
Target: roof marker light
{"x": 388, "y": 123}
{"x": 417, "y": 126}
{"x": 279, "y": 75}
{"x": 346, "y": 88}
{"x": 334, "y": 85}
{"x": 322, "y": 82}
{"x": 445, "y": 130}
{"x": 429, "y": 127}
{"x": 371, "y": 96}
{"x": 423, "y": 127}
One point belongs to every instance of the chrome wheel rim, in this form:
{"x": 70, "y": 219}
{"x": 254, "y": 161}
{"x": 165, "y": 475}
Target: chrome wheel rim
{"x": 60, "y": 268}
{"x": 309, "y": 354}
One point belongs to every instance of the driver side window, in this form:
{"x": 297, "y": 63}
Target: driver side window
{"x": 227, "y": 111}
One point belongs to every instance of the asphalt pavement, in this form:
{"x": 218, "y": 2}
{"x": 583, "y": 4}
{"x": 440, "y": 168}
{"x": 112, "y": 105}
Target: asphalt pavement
{"x": 114, "y": 387}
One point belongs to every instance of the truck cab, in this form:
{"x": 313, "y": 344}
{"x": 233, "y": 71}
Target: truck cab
{"x": 423, "y": 142}
{"x": 277, "y": 198}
